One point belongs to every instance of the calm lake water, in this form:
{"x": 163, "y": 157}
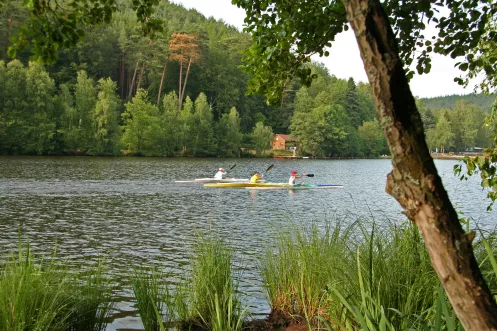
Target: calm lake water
{"x": 131, "y": 211}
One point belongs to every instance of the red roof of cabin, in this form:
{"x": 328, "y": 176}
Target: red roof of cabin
{"x": 287, "y": 137}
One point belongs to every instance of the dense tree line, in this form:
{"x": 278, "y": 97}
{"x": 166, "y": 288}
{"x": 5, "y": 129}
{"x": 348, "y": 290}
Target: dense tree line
{"x": 483, "y": 101}
{"x": 182, "y": 93}
{"x": 90, "y": 118}
{"x": 457, "y": 129}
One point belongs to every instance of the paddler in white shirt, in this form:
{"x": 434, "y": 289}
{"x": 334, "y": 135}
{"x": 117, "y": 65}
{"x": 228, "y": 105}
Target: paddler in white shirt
{"x": 220, "y": 174}
{"x": 294, "y": 176}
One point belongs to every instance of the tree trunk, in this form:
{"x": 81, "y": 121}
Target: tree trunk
{"x": 141, "y": 76}
{"x": 161, "y": 82}
{"x": 7, "y": 37}
{"x": 179, "y": 87}
{"x": 133, "y": 80}
{"x": 414, "y": 180}
{"x": 186, "y": 78}
{"x": 121, "y": 76}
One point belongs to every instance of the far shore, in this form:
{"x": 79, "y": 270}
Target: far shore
{"x": 448, "y": 156}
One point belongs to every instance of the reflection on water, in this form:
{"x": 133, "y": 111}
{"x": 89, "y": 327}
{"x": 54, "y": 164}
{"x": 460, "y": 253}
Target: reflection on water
{"x": 130, "y": 211}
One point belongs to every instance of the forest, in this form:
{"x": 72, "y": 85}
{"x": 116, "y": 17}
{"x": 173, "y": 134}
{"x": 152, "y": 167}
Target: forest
{"x": 183, "y": 93}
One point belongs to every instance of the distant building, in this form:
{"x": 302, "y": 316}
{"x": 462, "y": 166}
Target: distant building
{"x": 473, "y": 151}
{"x": 283, "y": 141}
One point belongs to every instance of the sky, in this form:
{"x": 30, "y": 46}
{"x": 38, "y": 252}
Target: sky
{"x": 439, "y": 82}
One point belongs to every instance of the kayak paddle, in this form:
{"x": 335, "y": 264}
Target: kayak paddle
{"x": 268, "y": 169}
{"x": 234, "y": 165}
{"x": 310, "y": 175}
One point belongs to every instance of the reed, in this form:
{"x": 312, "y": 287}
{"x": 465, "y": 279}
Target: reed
{"x": 213, "y": 296}
{"x": 396, "y": 270}
{"x": 345, "y": 277}
{"x": 296, "y": 273}
{"x": 42, "y": 295}
{"x": 91, "y": 302}
{"x": 207, "y": 298}
{"x": 151, "y": 294}
{"x": 33, "y": 296}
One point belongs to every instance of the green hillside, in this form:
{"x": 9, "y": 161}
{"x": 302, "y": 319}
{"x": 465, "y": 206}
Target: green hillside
{"x": 184, "y": 93}
{"x": 483, "y": 101}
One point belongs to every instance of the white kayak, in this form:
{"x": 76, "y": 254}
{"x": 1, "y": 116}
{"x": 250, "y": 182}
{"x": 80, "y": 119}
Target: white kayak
{"x": 213, "y": 180}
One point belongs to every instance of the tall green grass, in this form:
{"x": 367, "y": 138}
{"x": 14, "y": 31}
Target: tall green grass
{"x": 214, "y": 297}
{"x": 207, "y": 298}
{"x": 91, "y": 299}
{"x": 297, "y": 274}
{"x": 352, "y": 278}
{"x": 152, "y": 296}
{"x": 42, "y": 295}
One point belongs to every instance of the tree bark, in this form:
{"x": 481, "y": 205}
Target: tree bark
{"x": 161, "y": 82}
{"x": 141, "y": 76}
{"x": 179, "y": 87}
{"x": 131, "y": 88}
{"x": 121, "y": 75}
{"x": 414, "y": 180}
{"x": 184, "y": 84}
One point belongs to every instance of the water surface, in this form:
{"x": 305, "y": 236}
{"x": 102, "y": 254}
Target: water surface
{"x": 131, "y": 211}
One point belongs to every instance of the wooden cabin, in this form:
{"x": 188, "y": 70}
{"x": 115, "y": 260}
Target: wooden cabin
{"x": 283, "y": 141}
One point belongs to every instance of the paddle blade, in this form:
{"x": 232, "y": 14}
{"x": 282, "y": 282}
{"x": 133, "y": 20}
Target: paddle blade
{"x": 269, "y": 168}
{"x": 310, "y": 175}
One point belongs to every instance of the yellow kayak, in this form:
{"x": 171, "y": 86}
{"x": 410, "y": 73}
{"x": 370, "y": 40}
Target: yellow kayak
{"x": 233, "y": 185}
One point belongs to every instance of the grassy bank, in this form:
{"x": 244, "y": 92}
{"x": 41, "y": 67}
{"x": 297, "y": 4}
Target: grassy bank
{"x": 336, "y": 277}
{"x": 348, "y": 278}
{"x": 206, "y": 299}
{"x": 44, "y": 295}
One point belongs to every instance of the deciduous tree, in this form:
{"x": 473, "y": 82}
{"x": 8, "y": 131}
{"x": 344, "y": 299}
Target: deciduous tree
{"x": 228, "y": 133}
{"x": 261, "y": 136}
{"x": 286, "y": 34}
{"x": 85, "y": 98}
{"x": 202, "y": 127}
{"x": 141, "y": 126}
{"x": 105, "y": 119}
{"x": 171, "y": 124}
{"x": 373, "y": 143}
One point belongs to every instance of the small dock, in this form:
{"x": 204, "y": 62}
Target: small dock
{"x": 290, "y": 157}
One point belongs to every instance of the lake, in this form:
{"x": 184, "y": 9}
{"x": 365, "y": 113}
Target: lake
{"x": 130, "y": 210}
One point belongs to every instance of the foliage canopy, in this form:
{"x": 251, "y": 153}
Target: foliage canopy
{"x": 285, "y": 34}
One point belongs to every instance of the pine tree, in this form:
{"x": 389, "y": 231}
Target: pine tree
{"x": 351, "y": 104}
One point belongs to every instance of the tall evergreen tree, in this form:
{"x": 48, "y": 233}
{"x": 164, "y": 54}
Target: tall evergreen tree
{"x": 351, "y": 104}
